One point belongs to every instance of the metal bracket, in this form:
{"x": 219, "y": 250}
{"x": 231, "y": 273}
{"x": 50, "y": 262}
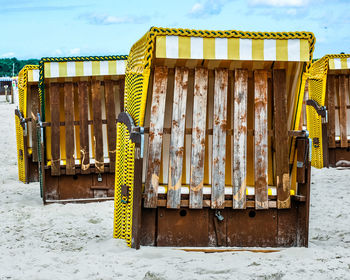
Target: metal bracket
{"x": 136, "y": 132}
{"x": 316, "y": 142}
{"x": 124, "y": 194}
{"x": 219, "y": 216}
{"x": 22, "y": 120}
{"x": 40, "y": 124}
{"x": 99, "y": 177}
{"x": 321, "y": 110}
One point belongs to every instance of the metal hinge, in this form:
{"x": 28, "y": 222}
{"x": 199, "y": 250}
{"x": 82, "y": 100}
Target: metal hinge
{"x": 22, "y": 121}
{"x": 136, "y": 132}
{"x": 320, "y": 110}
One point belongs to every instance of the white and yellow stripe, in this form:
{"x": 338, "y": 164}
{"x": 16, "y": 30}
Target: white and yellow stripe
{"x": 228, "y": 190}
{"x": 33, "y": 75}
{"x": 339, "y": 63}
{"x": 84, "y": 68}
{"x": 178, "y": 47}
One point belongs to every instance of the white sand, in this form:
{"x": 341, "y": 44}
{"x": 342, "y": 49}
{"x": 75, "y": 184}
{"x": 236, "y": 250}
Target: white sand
{"x": 75, "y": 241}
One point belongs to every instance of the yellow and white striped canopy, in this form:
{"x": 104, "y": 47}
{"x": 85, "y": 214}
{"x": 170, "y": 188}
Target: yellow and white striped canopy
{"x": 84, "y": 68}
{"x": 33, "y": 75}
{"x": 339, "y": 63}
{"x": 180, "y": 47}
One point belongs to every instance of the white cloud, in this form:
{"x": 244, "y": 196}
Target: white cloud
{"x": 75, "y": 51}
{"x": 108, "y": 19}
{"x": 280, "y": 3}
{"x": 207, "y": 8}
{"x": 6, "y": 55}
{"x": 197, "y": 8}
{"x": 58, "y": 52}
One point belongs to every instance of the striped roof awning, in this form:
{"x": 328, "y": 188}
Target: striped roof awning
{"x": 33, "y": 75}
{"x": 5, "y": 79}
{"x": 181, "y": 47}
{"x": 339, "y": 63}
{"x": 84, "y": 68}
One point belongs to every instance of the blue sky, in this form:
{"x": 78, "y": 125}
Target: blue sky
{"x": 38, "y": 28}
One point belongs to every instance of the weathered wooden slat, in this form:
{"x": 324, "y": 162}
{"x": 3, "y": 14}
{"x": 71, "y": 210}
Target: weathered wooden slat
{"x": 331, "y": 93}
{"x": 121, "y": 94}
{"x": 219, "y": 139}
{"x": 34, "y": 96}
{"x": 177, "y": 138}
{"x": 97, "y": 118}
{"x": 198, "y": 137}
{"x": 343, "y": 91}
{"x": 261, "y": 139}
{"x": 155, "y": 136}
{"x": 111, "y": 126}
{"x": 240, "y": 139}
{"x": 84, "y": 127}
{"x": 69, "y": 120}
{"x": 281, "y": 138}
{"x": 55, "y": 129}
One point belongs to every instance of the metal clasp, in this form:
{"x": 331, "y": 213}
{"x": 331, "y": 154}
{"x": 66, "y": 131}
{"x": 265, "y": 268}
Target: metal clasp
{"x": 219, "y": 216}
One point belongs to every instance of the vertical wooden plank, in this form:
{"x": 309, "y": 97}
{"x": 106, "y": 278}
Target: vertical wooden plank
{"x": 34, "y": 96}
{"x": 55, "y": 129}
{"x": 155, "y": 136}
{"x": 69, "y": 124}
{"x": 343, "y": 91}
{"x": 177, "y": 138}
{"x": 111, "y": 124}
{"x": 261, "y": 138}
{"x": 121, "y": 94}
{"x": 219, "y": 139}
{"x": 97, "y": 121}
{"x": 198, "y": 137}
{"x": 240, "y": 139}
{"x": 84, "y": 127}
{"x": 281, "y": 138}
{"x": 331, "y": 92}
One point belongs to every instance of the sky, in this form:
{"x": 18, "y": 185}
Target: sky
{"x": 40, "y": 28}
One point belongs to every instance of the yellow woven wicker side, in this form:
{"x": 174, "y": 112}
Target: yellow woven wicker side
{"x": 124, "y": 176}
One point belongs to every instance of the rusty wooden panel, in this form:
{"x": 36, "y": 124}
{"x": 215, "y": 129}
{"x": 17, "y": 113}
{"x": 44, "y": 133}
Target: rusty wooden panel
{"x": 304, "y": 190}
{"x": 34, "y": 110}
{"x": 55, "y": 128}
{"x": 198, "y": 137}
{"x": 69, "y": 120}
{"x": 75, "y": 187}
{"x": 176, "y": 227}
{"x": 177, "y": 138}
{"x": 97, "y": 119}
{"x": 331, "y": 93}
{"x": 33, "y": 171}
{"x": 148, "y": 225}
{"x": 287, "y": 226}
{"x": 155, "y": 136}
{"x": 84, "y": 126}
{"x": 50, "y": 186}
{"x": 111, "y": 124}
{"x": 219, "y": 139}
{"x": 217, "y": 228}
{"x": 343, "y": 91}
{"x": 261, "y": 138}
{"x": 281, "y": 138}
{"x": 137, "y": 199}
{"x": 250, "y": 228}
{"x": 240, "y": 139}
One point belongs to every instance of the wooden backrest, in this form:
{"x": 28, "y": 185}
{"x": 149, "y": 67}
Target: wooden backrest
{"x": 338, "y": 104}
{"x": 82, "y": 102}
{"x": 217, "y": 131}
